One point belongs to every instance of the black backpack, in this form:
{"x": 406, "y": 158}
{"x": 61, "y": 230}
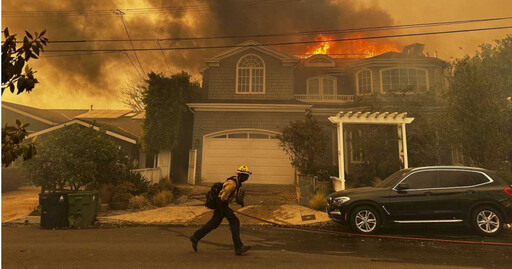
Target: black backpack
{"x": 212, "y": 196}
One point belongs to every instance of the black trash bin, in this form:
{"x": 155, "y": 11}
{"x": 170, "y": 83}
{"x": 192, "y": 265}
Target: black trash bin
{"x": 54, "y": 210}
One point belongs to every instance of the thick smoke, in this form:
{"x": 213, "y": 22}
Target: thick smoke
{"x": 101, "y": 75}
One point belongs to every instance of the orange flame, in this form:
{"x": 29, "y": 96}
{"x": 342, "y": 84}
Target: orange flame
{"x": 362, "y": 48}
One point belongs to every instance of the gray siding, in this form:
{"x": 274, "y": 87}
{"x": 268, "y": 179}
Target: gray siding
{"x": 221, "y": 80}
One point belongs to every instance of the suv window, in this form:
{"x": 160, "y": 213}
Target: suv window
{"x": 460, "y": 178}
{"x": 421, "y": 180}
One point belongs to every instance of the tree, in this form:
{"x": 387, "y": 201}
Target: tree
{"x": 477, "y": 115}
{"x": 305, "y": 142}
{"x": 16, "y": 74}
{"x": 75, "y": 157}
{"x": 133, "y": 93}
{"x": 165, "y": 101}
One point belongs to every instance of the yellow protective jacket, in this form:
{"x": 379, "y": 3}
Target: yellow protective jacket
{"x": 230, "y": 190}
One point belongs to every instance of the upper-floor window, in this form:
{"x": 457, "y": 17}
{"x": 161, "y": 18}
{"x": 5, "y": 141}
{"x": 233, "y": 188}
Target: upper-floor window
{"x": 412, "y": 79}
{"x": 321, "y": 86}
{"x": 250, "y": 75}
{"x": 364, "y": 82}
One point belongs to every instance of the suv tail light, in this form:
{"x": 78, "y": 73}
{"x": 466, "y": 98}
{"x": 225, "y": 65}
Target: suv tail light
{"x": 508, "y": 191}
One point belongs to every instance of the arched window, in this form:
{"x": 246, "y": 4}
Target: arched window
{"x": 322, "y": 86}
{"x": 250, "y": 75}
{"x": 364, "y": 82}
{"x": 412, "y": 79}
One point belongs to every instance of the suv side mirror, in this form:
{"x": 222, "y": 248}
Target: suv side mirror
{"x": 402, "y": 186}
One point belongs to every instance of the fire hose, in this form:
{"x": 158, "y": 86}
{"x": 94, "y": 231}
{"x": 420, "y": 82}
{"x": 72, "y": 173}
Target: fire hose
{"x": 377, "y": 236}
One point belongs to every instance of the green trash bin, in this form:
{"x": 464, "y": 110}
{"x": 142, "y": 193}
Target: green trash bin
{"x": 83, "y": 208}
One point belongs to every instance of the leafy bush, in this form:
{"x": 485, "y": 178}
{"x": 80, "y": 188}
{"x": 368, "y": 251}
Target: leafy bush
{"x": 74, "y": 157}
{"x": 305, "y": 142}
{"x": 122, "y": 192}
{"x": 140, "y": 183}
{"x": 318, "y": 202}
{"x": 162, "y": 198}
{"x": 137, "y": 202}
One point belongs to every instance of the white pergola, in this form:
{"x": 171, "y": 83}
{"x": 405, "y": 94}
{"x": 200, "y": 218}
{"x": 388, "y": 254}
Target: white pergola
{"x": 386, "y": 118}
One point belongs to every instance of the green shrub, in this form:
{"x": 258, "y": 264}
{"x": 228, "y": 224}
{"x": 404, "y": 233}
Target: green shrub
{"x": 162, "y": 198}
{"x": 137, "y": 202}
{"x": 122, "y": 192}
{"x": 318, "y": 202}
{"x": 140, "y": 183}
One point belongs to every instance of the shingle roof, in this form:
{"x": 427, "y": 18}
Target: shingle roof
{"x": 123, "y": 125}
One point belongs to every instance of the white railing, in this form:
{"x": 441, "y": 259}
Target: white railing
{"x": 324, "y": 98}
{"x": 152, "y": 174}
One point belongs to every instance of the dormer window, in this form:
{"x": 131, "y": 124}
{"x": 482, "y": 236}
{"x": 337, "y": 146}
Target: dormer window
{"x": 323, "y": 85}
{"x": 364, "y": 82}
{"x": 250, "y": 75}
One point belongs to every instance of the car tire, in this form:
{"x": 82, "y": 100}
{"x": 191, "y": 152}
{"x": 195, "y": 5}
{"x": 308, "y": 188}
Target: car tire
{"x": 486, "y": 220}
{"x": 365, "y": 220}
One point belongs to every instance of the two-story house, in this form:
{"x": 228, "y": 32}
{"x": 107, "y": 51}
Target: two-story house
{"x": 252, "y": 91}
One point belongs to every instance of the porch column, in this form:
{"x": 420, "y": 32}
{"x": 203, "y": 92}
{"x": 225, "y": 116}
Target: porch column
{"x": 341, "y": 162}
{"x": 404, "y": 140}
{"x": 402, "y": 145}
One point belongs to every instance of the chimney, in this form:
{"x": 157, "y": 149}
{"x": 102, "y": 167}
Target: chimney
{"x": 414, "y": 49}
{"x": 91, "y": 108}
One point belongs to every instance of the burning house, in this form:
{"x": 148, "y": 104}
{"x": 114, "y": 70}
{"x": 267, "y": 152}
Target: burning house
{"x": 251, "y": 91}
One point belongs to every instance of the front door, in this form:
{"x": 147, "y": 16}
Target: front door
{"x": 417, "y": 202}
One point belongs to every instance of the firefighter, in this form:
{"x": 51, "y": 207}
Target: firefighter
{"x": 229, "y": 192}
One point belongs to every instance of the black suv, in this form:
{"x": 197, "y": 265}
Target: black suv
{"x": 438, "y": 194}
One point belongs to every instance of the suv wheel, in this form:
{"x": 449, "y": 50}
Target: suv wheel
{"x": 487, "y": 221}
{"x": 365, "y": 220}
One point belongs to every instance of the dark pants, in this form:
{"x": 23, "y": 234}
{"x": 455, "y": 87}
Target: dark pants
{"x": 221, "y": 211}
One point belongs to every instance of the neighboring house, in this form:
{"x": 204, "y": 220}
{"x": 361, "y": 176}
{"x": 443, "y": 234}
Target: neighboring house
{"x": 252, "y": 91}
{"x": 123, "y": 126}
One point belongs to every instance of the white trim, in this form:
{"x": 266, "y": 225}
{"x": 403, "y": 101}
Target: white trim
{"x": 86, "y": 124}
{"x": 427, "y": 84}
{"x": 429, "y": 221}
{"x": 444, "y": 188}
{"x": 286, "y": 59}
{"x": 28, "y": 114}
{"x": 241, "y": 130}
{"x": 321, "y": 85}
{"x": 248, "y": 107}
{"x": 329, "y": 61}
{"x": 250, "y": 75}
{"x": 371, "y": 81}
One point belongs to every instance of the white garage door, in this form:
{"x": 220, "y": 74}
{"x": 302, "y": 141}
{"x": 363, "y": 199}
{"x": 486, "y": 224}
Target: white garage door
{"x": 224, "y": 153}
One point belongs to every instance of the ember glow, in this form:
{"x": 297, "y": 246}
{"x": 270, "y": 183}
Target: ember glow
{"x": 361, "y": 48}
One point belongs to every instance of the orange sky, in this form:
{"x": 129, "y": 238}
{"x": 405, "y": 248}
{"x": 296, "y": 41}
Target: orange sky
{"x": 64, "y": 85}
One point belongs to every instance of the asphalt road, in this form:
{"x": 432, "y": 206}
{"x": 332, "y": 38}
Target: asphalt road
{"x": 169, "y": 247}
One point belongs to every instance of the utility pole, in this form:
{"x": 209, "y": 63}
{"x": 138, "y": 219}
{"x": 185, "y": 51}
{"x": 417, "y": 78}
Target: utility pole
{"x": 121, "y": 14}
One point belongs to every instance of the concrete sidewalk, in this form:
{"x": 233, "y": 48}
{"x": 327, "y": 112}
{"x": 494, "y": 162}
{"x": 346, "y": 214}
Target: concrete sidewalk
{"x": 196, "y": 215}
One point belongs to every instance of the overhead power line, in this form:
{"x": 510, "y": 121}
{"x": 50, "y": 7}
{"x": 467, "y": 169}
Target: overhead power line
{"x": 145, "y": 10}
{"x": 286, "y": 34}
{"x": 291, "y": 42}
{"x": 121, "y": 14}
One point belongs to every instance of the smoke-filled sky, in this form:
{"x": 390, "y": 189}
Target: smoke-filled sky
{"x": 78, "y": 81}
